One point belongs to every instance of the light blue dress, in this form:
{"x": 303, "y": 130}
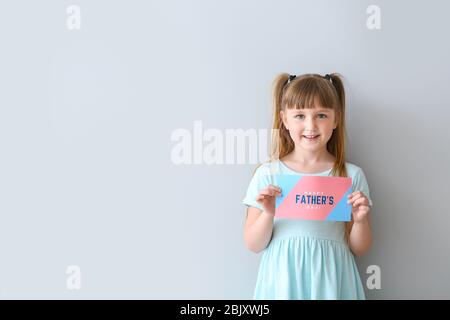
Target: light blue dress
{"x": 306, "y": 259}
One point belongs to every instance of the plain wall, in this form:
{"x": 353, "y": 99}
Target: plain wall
{"x": 87, "y": 116}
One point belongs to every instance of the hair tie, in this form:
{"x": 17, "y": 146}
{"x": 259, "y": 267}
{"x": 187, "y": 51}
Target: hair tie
{"x": 328, "y": 77}
{"x": 291, "y": 77}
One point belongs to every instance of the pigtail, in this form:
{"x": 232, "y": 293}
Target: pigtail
{"x": 278, "y": 89}
{"x": 339, "y": 86}
{"x": 281, "y": 142}
{"x": 336, "y": 144}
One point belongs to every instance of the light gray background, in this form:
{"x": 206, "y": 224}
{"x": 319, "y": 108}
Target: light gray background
{"x": 86, "y": 118}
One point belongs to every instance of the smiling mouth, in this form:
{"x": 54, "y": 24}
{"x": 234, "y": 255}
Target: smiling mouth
{"x": 311, "y": 137}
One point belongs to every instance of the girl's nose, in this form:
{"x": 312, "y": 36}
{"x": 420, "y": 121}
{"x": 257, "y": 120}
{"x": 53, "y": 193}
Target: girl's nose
{"x": 310, "y": 123}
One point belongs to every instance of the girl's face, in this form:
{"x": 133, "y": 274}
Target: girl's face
{"x": 310, "y": 129}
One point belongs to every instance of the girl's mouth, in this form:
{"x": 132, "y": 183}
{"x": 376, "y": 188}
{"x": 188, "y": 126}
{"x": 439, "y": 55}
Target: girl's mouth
{"x": 311, "y": 138}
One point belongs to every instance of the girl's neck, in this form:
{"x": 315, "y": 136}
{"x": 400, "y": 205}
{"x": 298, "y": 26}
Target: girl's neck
{"x": 310, "y": 159}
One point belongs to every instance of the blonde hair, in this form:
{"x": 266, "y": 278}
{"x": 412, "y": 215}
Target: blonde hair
{"x": 302, "y": 92}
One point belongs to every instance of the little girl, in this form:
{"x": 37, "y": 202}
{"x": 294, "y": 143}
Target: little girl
{"x": 307, "y": 259}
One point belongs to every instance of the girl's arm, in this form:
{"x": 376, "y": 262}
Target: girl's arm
{"x": 258, "y": 229}
{"x": 259, "y": 224}
{"x": 360, "y": 238}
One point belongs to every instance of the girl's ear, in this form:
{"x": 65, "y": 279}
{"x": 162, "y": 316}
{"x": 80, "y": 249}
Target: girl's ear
{"x": 283, "y": 119}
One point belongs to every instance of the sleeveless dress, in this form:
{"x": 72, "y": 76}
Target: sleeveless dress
{"x": 306, "y": 259}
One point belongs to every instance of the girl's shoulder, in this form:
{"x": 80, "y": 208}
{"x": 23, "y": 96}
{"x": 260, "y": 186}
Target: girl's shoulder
{"x": 352, "y": 168}
{"x": 265, "y": 168}
{"x": 270, "y": 167}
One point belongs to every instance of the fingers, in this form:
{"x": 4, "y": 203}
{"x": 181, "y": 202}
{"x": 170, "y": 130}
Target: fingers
{"x": 360, "y": 201}
{"x": 270, "y": 191}
{"x": 262, "y": 197}
{"x": 355, "y": 195}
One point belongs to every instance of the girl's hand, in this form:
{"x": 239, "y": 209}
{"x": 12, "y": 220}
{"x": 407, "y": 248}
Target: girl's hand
{"x": 360, "y": 206}
{"x": 267, "y": 196}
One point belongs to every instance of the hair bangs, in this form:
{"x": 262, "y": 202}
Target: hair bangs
{"x": 309, "y": 93}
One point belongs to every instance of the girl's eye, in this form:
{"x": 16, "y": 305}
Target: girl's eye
{"x": 321, "y": 116}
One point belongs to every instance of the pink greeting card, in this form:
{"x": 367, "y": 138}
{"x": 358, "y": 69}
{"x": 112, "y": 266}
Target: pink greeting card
{"x": 313, "y": 197}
